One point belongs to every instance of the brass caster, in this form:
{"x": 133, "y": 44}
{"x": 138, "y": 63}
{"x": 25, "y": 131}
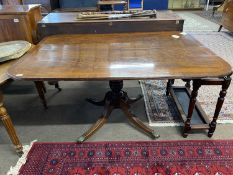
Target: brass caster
{"x": 81, "y": 139}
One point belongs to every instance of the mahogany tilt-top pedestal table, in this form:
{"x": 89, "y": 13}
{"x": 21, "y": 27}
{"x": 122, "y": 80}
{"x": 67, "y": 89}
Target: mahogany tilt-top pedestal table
{"x": 127, "y": 56}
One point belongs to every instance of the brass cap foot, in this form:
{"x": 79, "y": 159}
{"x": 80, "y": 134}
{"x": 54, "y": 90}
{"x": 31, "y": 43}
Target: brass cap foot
{"x": 81, "y": 139}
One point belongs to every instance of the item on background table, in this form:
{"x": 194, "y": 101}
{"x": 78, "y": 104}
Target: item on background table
{"x": 117, "y": 15}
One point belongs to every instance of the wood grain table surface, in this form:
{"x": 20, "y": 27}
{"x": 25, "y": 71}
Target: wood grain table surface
{"x": 128, "y": 56}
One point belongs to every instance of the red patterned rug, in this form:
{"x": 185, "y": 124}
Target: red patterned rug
{"x": 130, "y": 158}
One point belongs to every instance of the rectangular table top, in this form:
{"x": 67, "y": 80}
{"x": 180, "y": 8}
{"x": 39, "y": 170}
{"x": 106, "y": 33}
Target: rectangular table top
{"x": 128, "y": 56}
{"x": 67, "y": 23}
{"x": 71, "y": 17}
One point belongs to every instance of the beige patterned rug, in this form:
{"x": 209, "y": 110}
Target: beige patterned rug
{"x": 208, "y": 15}
{"x": 161, "y": 110}
{"x": 194, "y": 22}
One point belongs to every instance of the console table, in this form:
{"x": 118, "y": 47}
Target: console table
{"x": 128, "y": 56}
{"x": 67, "y": 23}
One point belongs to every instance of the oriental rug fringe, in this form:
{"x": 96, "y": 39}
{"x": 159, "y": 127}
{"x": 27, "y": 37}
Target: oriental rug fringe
{"x": 130, "y": 158}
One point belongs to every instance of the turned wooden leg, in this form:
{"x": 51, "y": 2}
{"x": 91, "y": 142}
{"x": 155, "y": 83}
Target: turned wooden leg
{"x": 219, "y": 104}
{"x": 40, "y": 90}
{"x": 169, "y": 85}
{"x": 187, "y": 126}
{"x": 102, "y": 120}
{"x": 137, "y": 122}
{"x": 4, "y": 116}
{"x": 220, "y": 28}
{"x": 44, "y": 87}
